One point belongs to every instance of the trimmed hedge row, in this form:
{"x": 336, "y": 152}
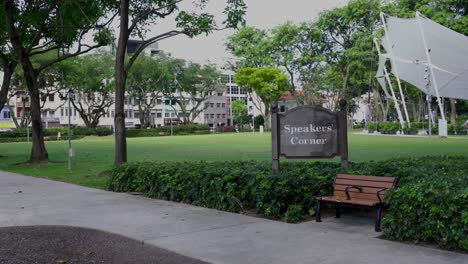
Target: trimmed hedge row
{"x": 25, "y": 139}
{"x": 166, "y": 130}
{"x": 51, "y": 132}
{"x": 431, "y": 199}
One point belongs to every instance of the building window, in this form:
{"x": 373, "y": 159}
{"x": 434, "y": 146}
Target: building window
{"x": 137, "y": 114}
{"x": 6, "y": 115}
{"x": 211, "y": 105}
{"x": 51, "y": 113}
{"x": 225, "y": 78}
{"x": 74, "y": 112}
{"x": 228, "y": 90}
{"x": 158, "y": 115}
{"x": 212, "y": 115}
{"x": 282, "y": 109}
{"x": 218, "y": 105}
{"x": 220, "y": 94}
{"x": 235, "y": 89}
{"x": 51, "y": 98}
{"x": 218, "y": 115}
{"x": 61, "y": 111}
{"x": 242, "y": 91}
{"x": 206, "y": 116}
{"x": 223, "y": 105}
{"x": 224, "y": 115}
{"x": 166, "y": 114}
{"x": 112, "y": 114}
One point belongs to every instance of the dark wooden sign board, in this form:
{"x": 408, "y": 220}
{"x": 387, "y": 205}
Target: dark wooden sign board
{"x": 309, "y": 132}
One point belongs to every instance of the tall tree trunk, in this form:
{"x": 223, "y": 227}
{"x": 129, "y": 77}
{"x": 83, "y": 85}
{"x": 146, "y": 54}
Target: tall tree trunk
{"x": 453, "y": 111}
{"x": 38, "y": 151}
{"x": 120, "y": 77}
{"x": 8, "y": 70}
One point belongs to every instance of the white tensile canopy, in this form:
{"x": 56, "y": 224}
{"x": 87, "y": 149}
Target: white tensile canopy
{"x": 425, "y": 54}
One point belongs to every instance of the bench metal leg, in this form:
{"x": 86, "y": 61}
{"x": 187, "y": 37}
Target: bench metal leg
{"x": 337, "y": 211}
{"x": 318, "y": 212}
{"x": 378, "y": 217}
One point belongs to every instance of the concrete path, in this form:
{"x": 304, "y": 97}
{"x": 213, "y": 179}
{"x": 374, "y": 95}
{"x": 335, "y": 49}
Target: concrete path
{"x": 205, "y": 234}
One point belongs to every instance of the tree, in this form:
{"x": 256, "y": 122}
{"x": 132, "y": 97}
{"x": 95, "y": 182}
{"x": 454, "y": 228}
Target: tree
{"x": 146, "y": 82}
{"x": 8, "y": 61}
{"x": 268, "y": 84}
{"x": 90, "y": 80}
{"x": 346, "y": 40}
{"x": 38, "y": 27}
{"x": 135, "y": 17}
{"x": 251, "y": 46}
{"x": 193, "y": 84}
{"x": 240, "y": 113}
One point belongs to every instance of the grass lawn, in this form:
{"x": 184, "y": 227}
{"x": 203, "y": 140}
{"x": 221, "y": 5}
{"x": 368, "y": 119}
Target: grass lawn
{"x": 95, "y": 155}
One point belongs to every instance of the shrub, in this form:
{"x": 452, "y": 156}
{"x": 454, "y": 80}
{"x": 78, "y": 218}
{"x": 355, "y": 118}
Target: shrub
{"x": 358, "y": 126}
{"x": 372, "y": 126}
{"x": 293, "y": 214}
{"x": 166, "y": 130}
{"x": 430, "y": 203}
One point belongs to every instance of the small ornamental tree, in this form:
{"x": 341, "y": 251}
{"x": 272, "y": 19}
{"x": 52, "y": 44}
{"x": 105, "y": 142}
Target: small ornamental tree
{"x": 266, "y": 84}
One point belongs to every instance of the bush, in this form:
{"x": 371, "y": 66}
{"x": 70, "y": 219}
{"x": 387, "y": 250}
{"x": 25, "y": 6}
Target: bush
{"x": 430, "y": 203}
{"x": 358, "y": 126}
{"x": 166, "y": 130}
{"x": 293, "y": 214}
{"x": 372, "y": 126}
{"x": 52, "y": 132}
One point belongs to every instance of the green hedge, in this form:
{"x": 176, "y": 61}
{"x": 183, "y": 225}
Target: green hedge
{"x": 427, "y": 185}
{"x": 25, "y": 139}
{"x": 166, "y": 130}
{"x": 52, "y": 132}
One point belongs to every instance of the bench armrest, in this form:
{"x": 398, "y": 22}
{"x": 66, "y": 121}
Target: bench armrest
{"x": 379, "y": 193}
{"x": 351, "y": 187}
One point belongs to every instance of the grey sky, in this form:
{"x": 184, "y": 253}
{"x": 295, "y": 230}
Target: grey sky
{"x": 263, "y": 14}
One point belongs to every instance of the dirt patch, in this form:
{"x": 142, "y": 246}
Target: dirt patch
{"x": 70, "y": 245}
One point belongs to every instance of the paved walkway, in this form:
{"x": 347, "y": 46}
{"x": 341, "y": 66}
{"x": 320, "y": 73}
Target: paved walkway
{"x": 205, "y": 234}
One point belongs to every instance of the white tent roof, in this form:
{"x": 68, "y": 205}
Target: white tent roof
{"x": 448, "y": 55}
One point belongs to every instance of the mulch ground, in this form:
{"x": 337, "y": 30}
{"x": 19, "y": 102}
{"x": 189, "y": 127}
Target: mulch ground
{"x": 67, "y": 245}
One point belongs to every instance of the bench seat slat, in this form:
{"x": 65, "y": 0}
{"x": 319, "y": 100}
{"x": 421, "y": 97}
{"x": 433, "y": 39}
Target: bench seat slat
{"x": 357, "y": 195}
{"x": 366, "y": 178}
{"x": 344, "y": 201}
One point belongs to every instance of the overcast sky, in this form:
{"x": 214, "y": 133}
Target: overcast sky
{"x": 264, "y": 14}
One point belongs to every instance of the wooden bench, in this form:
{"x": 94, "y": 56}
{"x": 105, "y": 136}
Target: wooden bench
{"x": 358, "y": 191}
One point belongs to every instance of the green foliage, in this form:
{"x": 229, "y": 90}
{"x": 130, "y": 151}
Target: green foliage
{"x": 268, "y": 83}
{"x": 430, "y": 203}
{"x": 53, "y": 132}
{"x": 293, "y": 214}
{"x": 166, "y": 131}
{"x": 359, "y": 126}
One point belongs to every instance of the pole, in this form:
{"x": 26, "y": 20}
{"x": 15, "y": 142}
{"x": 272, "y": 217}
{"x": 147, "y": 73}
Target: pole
{"x": 397, "y": 106}
{"x": 429, "y": 62}
{"x": 395, "y": 68}
{"x": 429, "y": 112}
{"x": 27, "y": 127}
{"x": 275, "y": 138}
{"x": 253, "y": 123}
{"x": 69, "y": 131}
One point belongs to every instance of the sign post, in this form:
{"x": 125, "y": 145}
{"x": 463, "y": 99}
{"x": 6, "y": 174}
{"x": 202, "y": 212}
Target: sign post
{"x": 309, "y": 132}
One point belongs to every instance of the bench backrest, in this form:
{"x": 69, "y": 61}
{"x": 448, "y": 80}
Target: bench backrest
{"x": 369, "y": 185}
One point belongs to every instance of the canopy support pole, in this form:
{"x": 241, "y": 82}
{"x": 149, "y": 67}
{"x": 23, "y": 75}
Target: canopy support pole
{"x": 382, "y": 17}
{"x": 431, "y": 68}
{"x": 397, "y": 106}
